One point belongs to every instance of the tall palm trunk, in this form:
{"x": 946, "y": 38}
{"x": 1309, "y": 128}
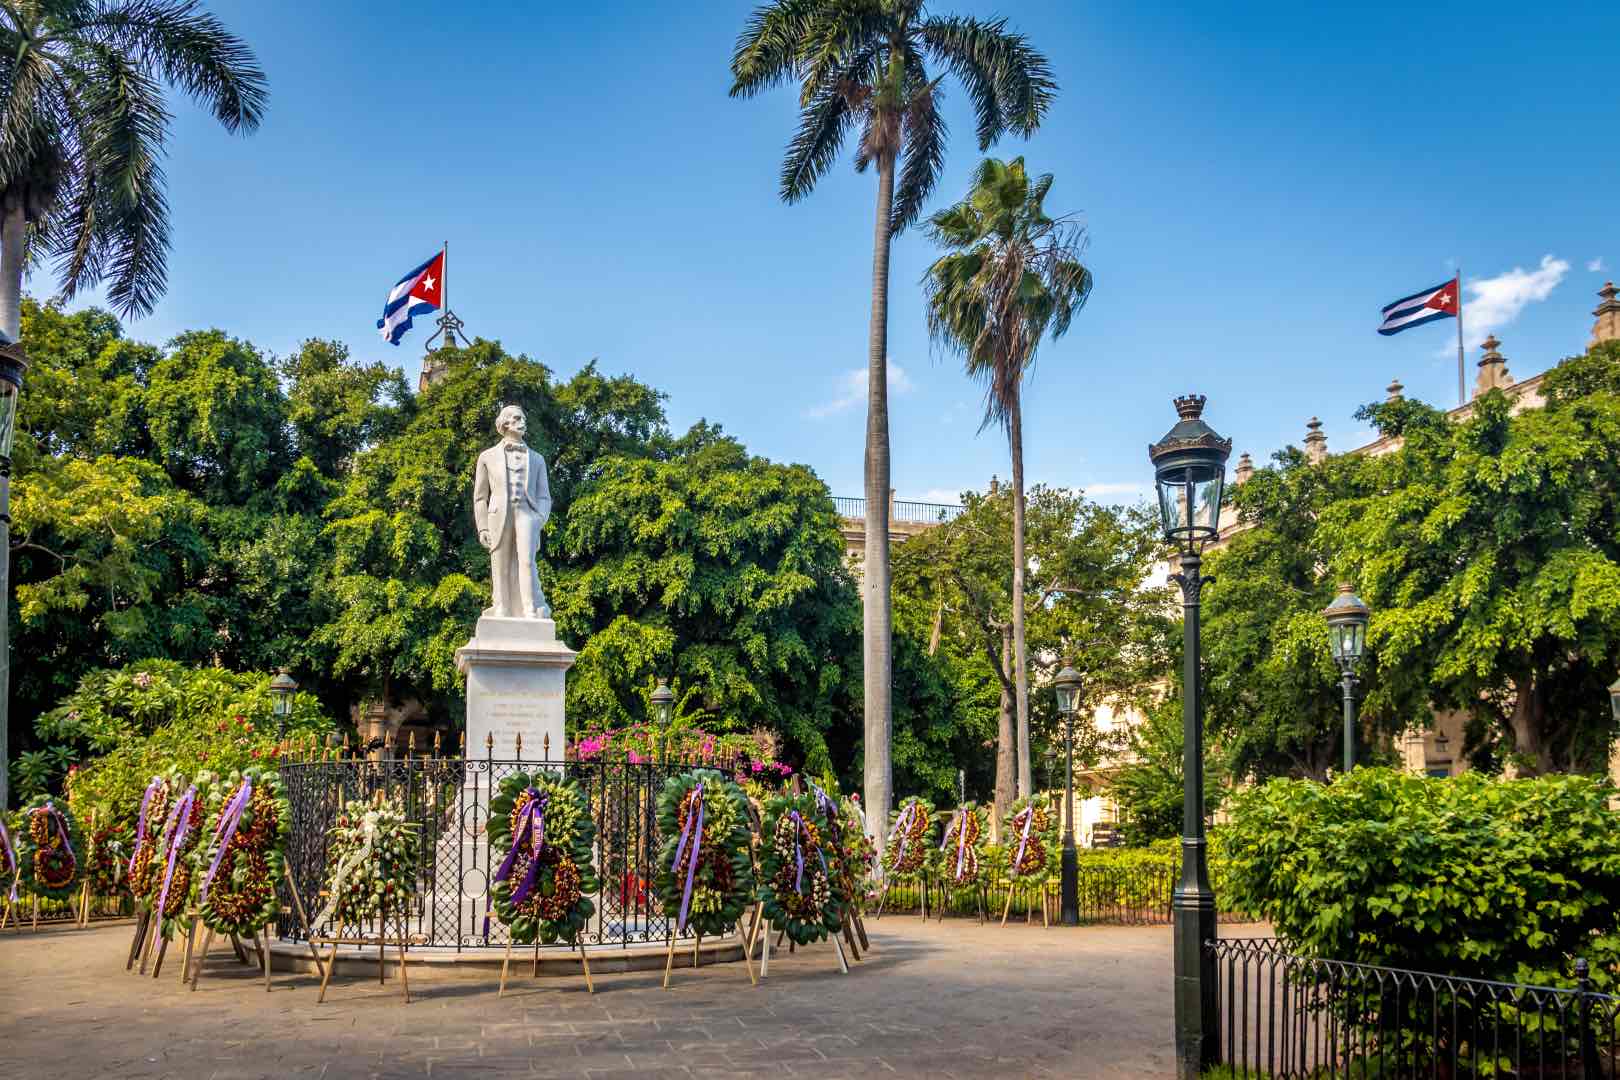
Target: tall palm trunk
{"x": 13, "y": 228}
{"x": 1004, "y": 737}
{"x": 1015, "y": 436}
{"x": 878, "y": 666}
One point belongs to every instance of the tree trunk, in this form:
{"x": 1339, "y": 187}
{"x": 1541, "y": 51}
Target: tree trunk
{"x": 1015, "y": 436}
{"x": 1005, "y": 793}
{"x": 1529, "y": 728}
{"x": 878, "y": 667}
{"x": 938, "y": 630}
{"x": 13, "y": 229}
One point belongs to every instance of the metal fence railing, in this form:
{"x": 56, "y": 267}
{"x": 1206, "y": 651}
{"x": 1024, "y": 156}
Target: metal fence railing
{"x": 448, "y": 798}
{"x": 1116, "y": 895}
{"x": 1283, "y": 1015}
{"x": 901, "y": 511}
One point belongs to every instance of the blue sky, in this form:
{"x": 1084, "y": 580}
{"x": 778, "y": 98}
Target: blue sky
{"x": 1258, "y": 180}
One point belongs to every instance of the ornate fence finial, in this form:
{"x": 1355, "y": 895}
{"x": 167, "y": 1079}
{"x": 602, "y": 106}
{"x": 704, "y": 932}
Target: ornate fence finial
{"x": 545, "y": 747}
{"x": 436, "y": 734}
{"x": 517, "y": 745}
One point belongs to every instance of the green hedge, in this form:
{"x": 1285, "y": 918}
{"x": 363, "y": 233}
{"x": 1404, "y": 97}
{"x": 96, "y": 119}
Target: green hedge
{"x": 1472, "y": 876}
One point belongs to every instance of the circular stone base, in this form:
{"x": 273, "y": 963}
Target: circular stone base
{"x": 295, "y": 956}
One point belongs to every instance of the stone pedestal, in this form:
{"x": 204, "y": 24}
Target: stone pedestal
{"x": 515, "y": 671}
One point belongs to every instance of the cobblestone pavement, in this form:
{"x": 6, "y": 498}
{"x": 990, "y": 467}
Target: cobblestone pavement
{"x": 937, "y": 1000}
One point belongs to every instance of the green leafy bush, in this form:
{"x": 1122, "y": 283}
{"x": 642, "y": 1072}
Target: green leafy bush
{"x": 126, "y": 726}
{"x": 1472, "y": 876}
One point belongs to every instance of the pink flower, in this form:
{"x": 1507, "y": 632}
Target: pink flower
{"x": 635, "y": 758}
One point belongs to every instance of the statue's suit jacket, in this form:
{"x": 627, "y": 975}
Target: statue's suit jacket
{"x": 490, "y": 491}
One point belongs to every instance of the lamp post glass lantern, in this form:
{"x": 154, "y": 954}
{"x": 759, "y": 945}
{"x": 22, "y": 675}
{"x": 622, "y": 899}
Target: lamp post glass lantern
{"x": 282, "y": 689}
{"x": 13, "y": 362}
{"x": 663, "y": 702}
{"x": 1189, "y": 467}
{"x": 1614, "y": 698}
{"x": 1067, "y": 685}
{"x": 1347, "y": 618}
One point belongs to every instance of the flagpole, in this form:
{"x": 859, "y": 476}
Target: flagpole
{"x": 444, "y": 283}
{"x": 1461, "y": 398}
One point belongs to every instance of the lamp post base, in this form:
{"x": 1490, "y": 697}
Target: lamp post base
{"x": 1198, "y": 1041}
{"x": 1069, "y": 912}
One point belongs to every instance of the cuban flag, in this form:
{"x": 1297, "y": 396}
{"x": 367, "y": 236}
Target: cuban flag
{"x": 417, "y": 293}
{"x": 1440, "y": 302}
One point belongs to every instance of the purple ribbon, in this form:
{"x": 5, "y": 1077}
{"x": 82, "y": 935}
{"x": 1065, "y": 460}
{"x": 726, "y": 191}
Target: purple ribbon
{"x": 693, "y": 830}
{"x": 180, "y": 818}
{"x": 532, "y": 828}
{"x": 798, "y": 851}
{"x": 228, "y": 821}
{"x": 1028, "y": 816}
{"x": 140, "y": 826}
{"x": 11, "y": 857}
{"x": 961, "y": 841}
{"x": 900, "y": 830}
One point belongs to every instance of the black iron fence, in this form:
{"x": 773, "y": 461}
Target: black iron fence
{"x": 448, "y": 799}
{"x": 1283, "y": 1015}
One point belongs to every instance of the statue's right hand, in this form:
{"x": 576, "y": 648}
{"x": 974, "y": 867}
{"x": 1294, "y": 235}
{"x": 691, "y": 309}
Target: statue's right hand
{"x": 483, "y": 538}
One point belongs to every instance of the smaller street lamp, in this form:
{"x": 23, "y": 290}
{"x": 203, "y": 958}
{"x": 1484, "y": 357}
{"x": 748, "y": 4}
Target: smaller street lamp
{"x": 282, "y": 689}
{"x": 1347, "y": 636}
{"x": 663, "y": 702}
{"x": 1067, "y": 684}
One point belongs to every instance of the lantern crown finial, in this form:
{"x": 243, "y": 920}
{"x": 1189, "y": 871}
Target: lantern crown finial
{"x": 1191, "y": 406}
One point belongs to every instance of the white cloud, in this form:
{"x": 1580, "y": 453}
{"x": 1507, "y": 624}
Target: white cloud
{"x": 1494, "y": 302}
{"x": 1595, "y": 265}
{"x": 851, "y": 391}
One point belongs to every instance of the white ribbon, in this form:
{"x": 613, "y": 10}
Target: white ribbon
{"x": 340, "y": 877}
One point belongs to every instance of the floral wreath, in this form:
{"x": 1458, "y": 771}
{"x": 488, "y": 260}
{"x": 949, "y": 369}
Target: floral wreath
{"x": 962, "y": 849}
{"x": 146, "y": 861}
{"x": 706, "y": 863}
{"x": 796, "y": 878}
{"x": 542, "y": 890}
{"x": 1030, "y": 840}
{"x": 8, "y": 858}
{"x": 181, "y": 833}
{"x": 848, "y": 843}
{"x": 374, "y": 853}
{"x": 905, "y": 854}
{"x": 244, "y": 859}
{"x": 109, "y": 850}
{"x": 48, "y": 848}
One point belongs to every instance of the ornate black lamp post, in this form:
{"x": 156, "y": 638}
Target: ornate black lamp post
{"x": 1189, "y": 466}
{"x": 1347, "y": 636}
{"x": 282, "y": 689}
{"x": 663, "y": 702}
{"x": 13, "y": 362}
{"x": 1067, "y": 684}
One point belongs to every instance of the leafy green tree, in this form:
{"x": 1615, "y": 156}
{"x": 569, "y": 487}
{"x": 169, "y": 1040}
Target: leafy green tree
{"x": 1149, "y": 787}
{"x": 338, "y": 409}
{"x": 1083, "y": 600}
{"x": 1272, "y": 693}
{"x": 864, "y": 63}
{"x": 1011, "y": 275}
{"x": 82, "y": 127}
{"x": 1489, "y": 552}
{"x": 723, "y": 568}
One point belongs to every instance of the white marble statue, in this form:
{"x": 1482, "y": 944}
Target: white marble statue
{"x": 511, "y": 502}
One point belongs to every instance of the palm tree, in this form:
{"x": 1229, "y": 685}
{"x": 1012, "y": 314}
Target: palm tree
{"x": 82, "y": 131}
{"x": 864, "y": 63}
{"x": 1012, "y": 274}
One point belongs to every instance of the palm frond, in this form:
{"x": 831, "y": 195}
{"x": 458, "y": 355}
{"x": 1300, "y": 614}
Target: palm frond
{"x": 191, "y": 48}
{"x": 25, "y": 129}
{"x": 124, "y": 126}
{"x": 1008, "y": 81}
{"x": 924, "y": 133}
{"x": 767, "y": 51}
{"x": 839, "y": 31}
{"x": 823, "y": 124}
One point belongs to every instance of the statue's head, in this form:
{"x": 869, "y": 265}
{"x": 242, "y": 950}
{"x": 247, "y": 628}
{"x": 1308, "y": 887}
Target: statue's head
{"x": 511, "y": 422}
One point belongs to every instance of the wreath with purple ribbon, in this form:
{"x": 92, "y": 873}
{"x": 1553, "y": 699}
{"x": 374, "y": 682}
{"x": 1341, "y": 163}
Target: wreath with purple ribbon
{"x": 962, "y": 849}
{"x": 540, "y": 827}
{"x": 146, "y": 860}
{"x": 705, "y": 864}
{"x": 243, "y": 860}
{"x": 796, "y": 874}
{"x": 1030, "y": 838}
{"x": 48, "y": 849}
{"x": 178, "y": 837}
{"x": 911, "y": 838}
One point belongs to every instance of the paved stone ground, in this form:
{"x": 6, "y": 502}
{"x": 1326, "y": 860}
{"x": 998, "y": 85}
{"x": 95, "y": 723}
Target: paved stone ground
{"x": 937, "y": 1000}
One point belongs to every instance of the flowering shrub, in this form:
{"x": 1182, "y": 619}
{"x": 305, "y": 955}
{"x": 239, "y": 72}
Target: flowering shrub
{"x": 705, "y": 864}
{"x": 542, "y": 823}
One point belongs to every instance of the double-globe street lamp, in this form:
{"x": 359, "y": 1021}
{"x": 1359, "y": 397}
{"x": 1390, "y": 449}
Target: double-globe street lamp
{"x": 1347, "y": 619}
{"x": 1189, "y": 466}
{"x": 13, "y": 362}
{"x": 1067, "y": 685}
